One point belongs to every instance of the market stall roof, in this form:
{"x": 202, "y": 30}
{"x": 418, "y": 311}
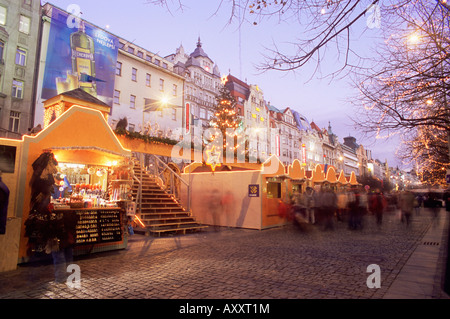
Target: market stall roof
{"x": 81, "y": 135}
{"x": 296, "y": 171}
{"x": 54, "y": 107}
{"x": 331, "y": 175}
{"x": 318, "y": 174}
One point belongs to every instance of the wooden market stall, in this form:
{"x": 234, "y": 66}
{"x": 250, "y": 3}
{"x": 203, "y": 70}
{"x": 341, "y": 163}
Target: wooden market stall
{"x": 93, "y": 164}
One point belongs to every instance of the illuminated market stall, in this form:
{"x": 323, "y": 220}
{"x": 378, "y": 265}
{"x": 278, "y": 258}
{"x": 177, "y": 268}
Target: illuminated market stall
{"x": 93, "y": 175}
{"x": 232, "y": 196}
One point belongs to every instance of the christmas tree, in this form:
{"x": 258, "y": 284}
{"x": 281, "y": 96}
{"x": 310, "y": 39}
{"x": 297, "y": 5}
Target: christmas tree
{"x": 227, "y": 121}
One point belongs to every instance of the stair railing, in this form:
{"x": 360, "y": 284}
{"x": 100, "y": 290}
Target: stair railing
{"x": 169, "y": 177}
{"x": 171, "y": 180}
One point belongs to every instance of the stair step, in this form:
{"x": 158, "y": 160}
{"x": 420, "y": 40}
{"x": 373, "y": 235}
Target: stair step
{"x": 180, "y": 229}
{"x": 179, "y": 225}
{"x": 170, "y": 219}
{"x": 160, "y": 212}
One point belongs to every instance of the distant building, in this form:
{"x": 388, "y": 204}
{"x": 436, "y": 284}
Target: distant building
{"x": 202, "y": 82}
{"x": 19, "y": 38}
{"x": 147, "y": 92}
{"x": 137, "y": 84}
{"x": 349, "y": 148}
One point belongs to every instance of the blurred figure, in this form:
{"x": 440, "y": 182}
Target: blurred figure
{"x": 317, "y": 196}
{"x": 353, "y": 207}
{"x": 435, "y": 204}
{"x": 299, "y": 211}
{"x": 308, "y": 204}
{"x": 406, "y": 202}
{"x": 329, "y": 203}
{"x": 342, "y": 201}
{"x": 447, "y": 199}
{"x": 377, "y": 205}
{"x": 418, "y": 203}
{"x": 4, "y": 199}
{"x": 363, "y": 206}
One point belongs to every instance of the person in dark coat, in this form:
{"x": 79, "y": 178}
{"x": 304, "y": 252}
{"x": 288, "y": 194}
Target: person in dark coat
{"x": 377, "y": 204}
{"x": 4, "y": 198}
{"x": 447, "y": 199}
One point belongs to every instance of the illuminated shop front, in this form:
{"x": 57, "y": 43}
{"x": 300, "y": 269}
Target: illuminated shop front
{"x": 93, "y": 178}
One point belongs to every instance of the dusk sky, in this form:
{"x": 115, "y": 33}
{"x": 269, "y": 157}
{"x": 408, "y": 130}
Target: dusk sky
{"x": 237, "y": 51}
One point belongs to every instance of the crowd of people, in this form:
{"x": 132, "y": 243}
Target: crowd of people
{"x": 324, "y": 206}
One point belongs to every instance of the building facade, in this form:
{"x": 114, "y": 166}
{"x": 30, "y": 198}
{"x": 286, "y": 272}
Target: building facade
{"x": 172, "y": 96}
{"x": 202, "y": 82}
{"x": 147, "y": 92}
{"x": 19, "y": 39}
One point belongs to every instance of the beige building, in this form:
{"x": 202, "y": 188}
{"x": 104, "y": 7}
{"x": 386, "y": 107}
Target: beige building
{"x": 19, "y": 34}
{"x": 256, "y": 124}
{"x": 202, "y": 82}
{"x": 143, "y": 87}
{"x": 147, "y": 92}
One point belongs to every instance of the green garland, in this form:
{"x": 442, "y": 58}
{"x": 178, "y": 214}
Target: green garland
{"x": 145, "y": 138}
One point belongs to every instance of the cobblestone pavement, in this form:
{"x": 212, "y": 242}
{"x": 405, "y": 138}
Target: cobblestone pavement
{"x": 277, "y": 263}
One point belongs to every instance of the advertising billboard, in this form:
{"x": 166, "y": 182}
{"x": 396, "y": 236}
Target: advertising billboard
{"x": 79, "y": 55}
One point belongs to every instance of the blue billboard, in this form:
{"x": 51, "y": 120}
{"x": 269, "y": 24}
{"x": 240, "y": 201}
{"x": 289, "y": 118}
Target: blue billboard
{"x": 79, "y": 55}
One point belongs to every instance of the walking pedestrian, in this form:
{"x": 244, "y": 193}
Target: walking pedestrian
{"x": 342, "y": 201}
{"x": 317, "y": 196}
{"x": 406, "y": 206}
{"x": 329, "y": 202}
{"x": 363, "y": 207}
{"x": 4, "y": 199}
{"x": 308, "y": 204}
{"x": 447, "y": 199}
{"x": 353, "y": 207}
{"x": 377, "y": 204}
{"x": 298, "y": 210}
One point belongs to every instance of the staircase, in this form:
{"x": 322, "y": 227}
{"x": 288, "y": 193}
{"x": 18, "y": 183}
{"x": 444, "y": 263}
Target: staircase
{"x": 161, "y": 213}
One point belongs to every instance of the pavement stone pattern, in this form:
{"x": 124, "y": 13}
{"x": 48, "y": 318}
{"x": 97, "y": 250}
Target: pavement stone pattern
{"x": 232, "y": 263}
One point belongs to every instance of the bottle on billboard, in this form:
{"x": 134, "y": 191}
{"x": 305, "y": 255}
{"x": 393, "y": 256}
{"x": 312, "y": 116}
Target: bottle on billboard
{"x": 83, "y": 59}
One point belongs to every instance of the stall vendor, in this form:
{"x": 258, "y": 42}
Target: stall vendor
{"x": 62, "y": 187}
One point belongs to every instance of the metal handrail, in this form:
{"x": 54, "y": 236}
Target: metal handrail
{"x": 157, "y": 173}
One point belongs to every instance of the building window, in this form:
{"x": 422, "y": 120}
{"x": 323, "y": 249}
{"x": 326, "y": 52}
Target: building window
{"x": 24, "y": 24}
{"x": 132, "y": 101}
{"x": 157, "y": 61}
{"x": 2, "y": 15}
{"x": 165, "y": 66}
{"x": 21, "y": 57}
{"x": 2, "y": 49}
{"x": 14, "y": 120}
{"x": 119, "y": 68}
{"x": 273, "y": 190}
{"x": 148, "y": 78}
{"x": 174, "y": 114}
{"x": 116, "y": 97}
{"x": 134, "y": 74}
{"x": 140, "y": 54}
{"x": 202, "y": 113}
{"x": 130, "y": 50}
{"x": 175, "y": 90}
{"x": 161, "y": 84}
{"x": 148, "y": 58}
{"x": 17, "y": 89}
